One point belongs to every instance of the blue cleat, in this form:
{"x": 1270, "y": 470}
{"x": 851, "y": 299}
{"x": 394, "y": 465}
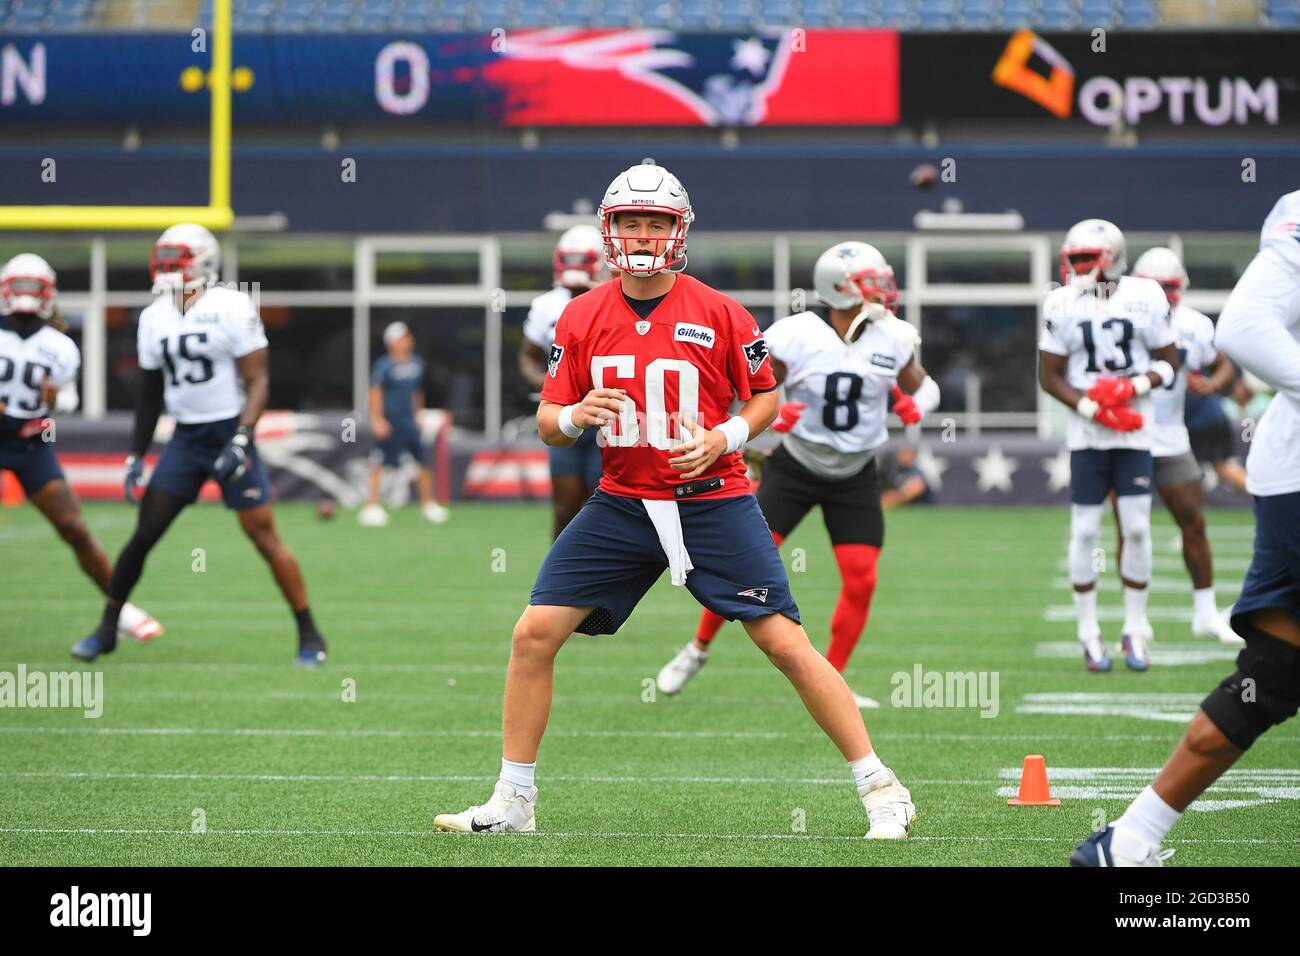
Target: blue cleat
{"x": 1095, "y": 656}
{"x": 1096, "y": 851}
{"x": 1135, "y": 653}
{"x": 310, "y": 657}
{"x": 89, "y": 648}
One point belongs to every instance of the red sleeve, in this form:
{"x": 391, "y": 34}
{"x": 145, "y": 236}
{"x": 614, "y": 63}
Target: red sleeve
{"x": 749, "y": 364}
{"x": 567, "y": 379}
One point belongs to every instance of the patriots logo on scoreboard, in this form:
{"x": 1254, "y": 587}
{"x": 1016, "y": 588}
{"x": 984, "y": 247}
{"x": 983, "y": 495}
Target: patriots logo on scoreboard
{"x": 755, "y": 354}
{"x": 557, "y": 353}
{"x": 724, "y": 79}
{"x": 759, "y": 594}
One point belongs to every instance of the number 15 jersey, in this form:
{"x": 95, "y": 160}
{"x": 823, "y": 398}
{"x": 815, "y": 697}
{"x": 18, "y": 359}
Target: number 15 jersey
{"x": 197, "y": 352}
{"x": 697, "y": 350}
{"x": 1107, "y": 336}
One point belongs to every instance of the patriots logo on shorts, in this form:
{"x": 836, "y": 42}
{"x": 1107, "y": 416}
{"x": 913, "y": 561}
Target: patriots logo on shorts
{"x": 557, "y": 353}
{"x": 755, "y": 354}
{"x": 759, "y": 593}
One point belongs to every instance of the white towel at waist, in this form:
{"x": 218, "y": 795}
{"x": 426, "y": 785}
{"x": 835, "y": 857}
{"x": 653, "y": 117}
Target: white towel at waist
{"x": 668, "y": 525}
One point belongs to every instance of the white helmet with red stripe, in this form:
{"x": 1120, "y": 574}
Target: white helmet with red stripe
{"x": 580, "y": 258}
{"x": 1165, "y": 267}
{"x": 646, "y": 189}
{"x": 186, "y": 256}
{"x": 1094, "y": 250}
{"x": 28, "y": 287}
{"x": 850, "y": 274}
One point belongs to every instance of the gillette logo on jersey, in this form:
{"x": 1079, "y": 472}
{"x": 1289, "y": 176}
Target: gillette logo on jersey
{"x": 669, "y": 379}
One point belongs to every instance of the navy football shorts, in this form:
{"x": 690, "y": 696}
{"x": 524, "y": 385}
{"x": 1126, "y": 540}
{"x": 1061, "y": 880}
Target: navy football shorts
{"x": 1273, "y": 580}
{"x": 187, "y": 461}
{"x": 389, "y": 451}
{"x": 609, "y": 556}
{"x": 32, "y": 461}
{"x": 1096, "y": 472}
{"x": 581, "y": 459}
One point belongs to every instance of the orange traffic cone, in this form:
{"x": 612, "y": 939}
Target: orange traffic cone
{"x": 11, "y": 493}
{"x": 1034, "y": 791}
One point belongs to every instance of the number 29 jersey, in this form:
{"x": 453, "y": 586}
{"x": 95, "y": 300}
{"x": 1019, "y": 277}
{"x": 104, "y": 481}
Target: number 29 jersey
{"x": 697, "y": 350}
{"x": 197, "y": 352}
{"x": 1107, "y": 336}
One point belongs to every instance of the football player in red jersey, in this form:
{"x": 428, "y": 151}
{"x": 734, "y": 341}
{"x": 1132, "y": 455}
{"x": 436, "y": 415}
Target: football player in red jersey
{"x": 654, "y": 361}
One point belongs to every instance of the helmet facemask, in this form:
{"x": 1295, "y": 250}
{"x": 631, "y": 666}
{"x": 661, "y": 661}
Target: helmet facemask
{"x": 644, "y": 255}
{"x": 173, "y": 267}
{"x": 1085, "y": 267}
{"x": 27, "y": 295}
{"x": 578, "y": 268}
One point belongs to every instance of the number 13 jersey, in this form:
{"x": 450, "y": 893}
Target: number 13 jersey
{"x": 197, "y": 352}
{"x": 1107, "y": 336}
{"x": 697, "y": 350}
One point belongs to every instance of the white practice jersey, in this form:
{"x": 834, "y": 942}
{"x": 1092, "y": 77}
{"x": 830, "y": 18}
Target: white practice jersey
{"x": 845, "y": 385}
{"x": 197, "y": 351}
{"x": 543, "y": 314}
{"x": 1194, "y": 333}
{"x": 1110, "y": 336}
{"x": 47, "y": 355}
{"x": 1266, "y": 301}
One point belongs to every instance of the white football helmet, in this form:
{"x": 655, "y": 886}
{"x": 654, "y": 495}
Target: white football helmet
{"x": 646, "y": 188}
{"x": 1093, "y": 250}
{"x": 580, "y": 258}
{"x": 186, "y": 256}
{"x": 851, "y": 274}
{"x": 28, "y": 286}
{"x": 1165, "y": 267}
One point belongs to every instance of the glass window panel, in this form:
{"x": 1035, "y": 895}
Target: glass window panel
{"x": 450, "y": 340}
{"x": 526, "y": 262}
{"x": 70, "y": 259}
{"x": 994, "y": 344}
{"x": 300, "y": 263}
{"x": 977, "y": 266}
{"x": 128, "y": 265}
{"x": 1217, "y": 262}
{"x": 427, "y": 268}
{"x": 731, "y": 262}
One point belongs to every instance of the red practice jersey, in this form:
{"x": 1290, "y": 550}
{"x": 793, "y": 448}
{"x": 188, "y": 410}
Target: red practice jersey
{"x": 697, "y": 351}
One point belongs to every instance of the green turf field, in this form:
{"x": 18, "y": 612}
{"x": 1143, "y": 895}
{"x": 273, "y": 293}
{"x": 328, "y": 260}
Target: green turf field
{"x": 211, "y": 729}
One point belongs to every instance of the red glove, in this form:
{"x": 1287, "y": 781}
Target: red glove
{"x": 1112, "y": 391}
{"x": 788, "y": 416}
{"x": 1119, "y": 417}
{"x": 905, "y": 407}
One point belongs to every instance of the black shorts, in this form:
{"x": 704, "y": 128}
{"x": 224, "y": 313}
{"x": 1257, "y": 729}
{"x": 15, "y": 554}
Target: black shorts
{"x": 850, "y": 506}
{"x": 1214, "y": 444}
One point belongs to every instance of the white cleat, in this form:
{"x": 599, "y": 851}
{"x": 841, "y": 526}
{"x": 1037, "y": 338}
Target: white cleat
{"x": 436, "y": 513}
{"x": 681, "y": 668}
{"x": 372, "y": 516}
{"x": 507, "y": 811}
{"x": 1217, "y": 628}
{"x": 134, "y": 622}
{"x": 864, "y": 703}
{"x": 889, "y": 807}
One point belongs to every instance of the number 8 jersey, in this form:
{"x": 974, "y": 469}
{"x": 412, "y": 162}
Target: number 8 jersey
{"x": 1107, "y": 336}
{"x": 197, "y": 352}
{"x": 697, "y": 350}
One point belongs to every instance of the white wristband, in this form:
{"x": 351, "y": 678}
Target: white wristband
{"x": 566, "y": 422}
{"x": 737, "y": 431}
{"x": 1164, "y": 370}
{"x": 1087, "y": 407}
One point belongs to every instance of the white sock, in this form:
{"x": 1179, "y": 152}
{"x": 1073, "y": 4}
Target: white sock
{"x": 519, "y": 775}
{"x": 1203, "y": 604}
{"x": 698, "y": 654}
{"x": 1145, "y": 824}
{"x": 1085, "y": 608}
{"x": 864, "y": 767}
{"x": 1135, "y": 606}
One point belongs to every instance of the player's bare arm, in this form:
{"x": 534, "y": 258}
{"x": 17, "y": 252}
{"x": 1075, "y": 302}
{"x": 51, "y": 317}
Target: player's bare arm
{"x": 532, "y": 364}
{"x": 904, "y": 494}
{"x": 378, "y": 423}
{"x": 1218, "y": 382}
{"x": 1051, "y": 376}
{"x": 697, "y": 455}
{"x": 911, "y": 376}
{"x": 600, "y": 406}
{"x": 779, "y": 371}
{"x": 257, "y": 386}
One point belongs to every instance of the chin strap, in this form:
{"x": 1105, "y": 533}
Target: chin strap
{"x": 871, "y": 312}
